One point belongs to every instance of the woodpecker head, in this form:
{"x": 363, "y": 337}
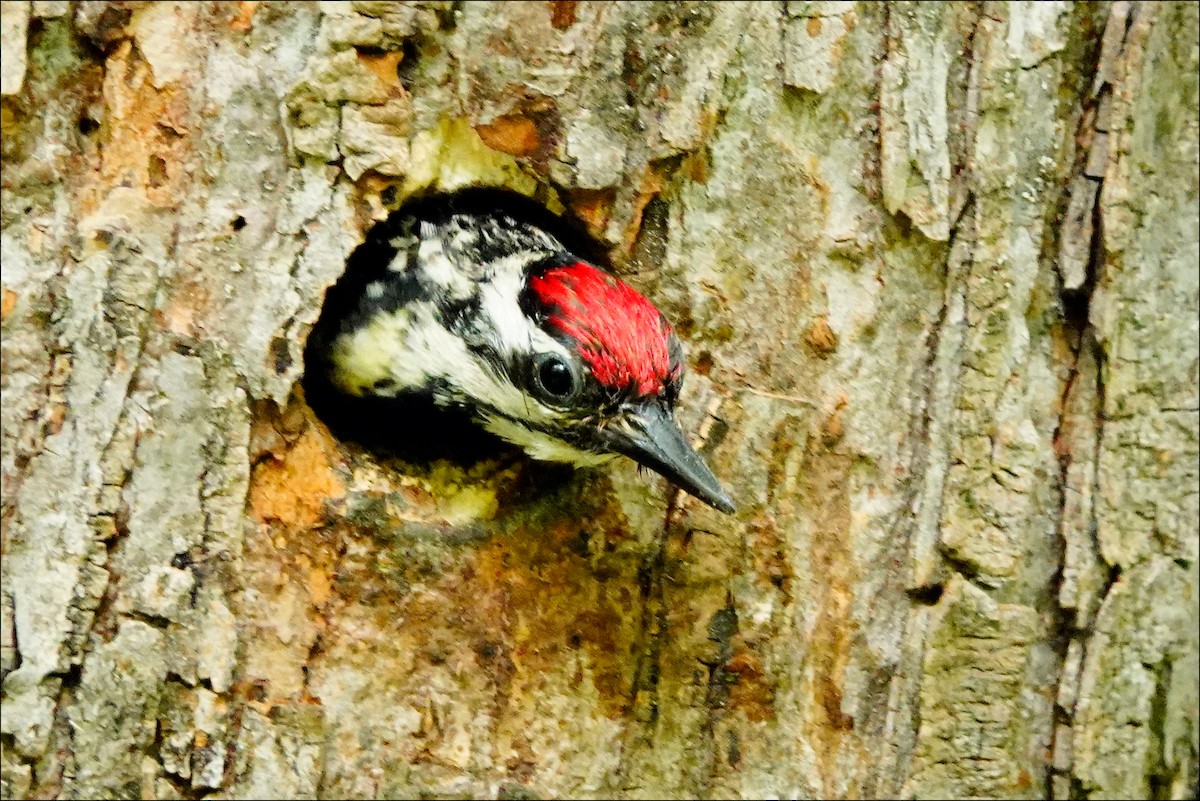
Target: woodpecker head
{"x": 476, "y": 300}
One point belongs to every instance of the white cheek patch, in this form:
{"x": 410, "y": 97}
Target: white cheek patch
{"x": 409, "y": 349}
{"x": 542, "y": 446}
{"x": 382, "y": 350}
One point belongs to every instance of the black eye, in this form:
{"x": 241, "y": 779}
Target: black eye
{"x": 554, "y": 378}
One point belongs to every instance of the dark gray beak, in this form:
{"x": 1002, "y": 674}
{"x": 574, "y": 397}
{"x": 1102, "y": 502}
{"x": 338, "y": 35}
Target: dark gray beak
{"x": 647, "y": 434}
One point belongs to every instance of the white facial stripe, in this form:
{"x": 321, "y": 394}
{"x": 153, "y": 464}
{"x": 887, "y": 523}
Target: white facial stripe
{"x": 389, "y": 347}
{"x": 542, "y": 446}
{"x": 411, "y": 348}
{"x": 514, "y": 332}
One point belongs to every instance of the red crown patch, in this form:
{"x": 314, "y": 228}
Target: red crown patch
{"x": 622, "y": 337}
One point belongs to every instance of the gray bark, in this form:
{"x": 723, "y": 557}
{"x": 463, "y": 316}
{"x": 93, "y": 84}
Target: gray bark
{"x": 936, "y": 267}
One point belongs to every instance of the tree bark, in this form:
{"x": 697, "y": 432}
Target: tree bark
{"x": 936, "y": 268}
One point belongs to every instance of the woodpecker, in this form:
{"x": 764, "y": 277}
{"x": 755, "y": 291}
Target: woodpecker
{"x": 480, "y": 302}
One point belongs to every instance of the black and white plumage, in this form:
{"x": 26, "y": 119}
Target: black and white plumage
{"x": 481, "y": 306}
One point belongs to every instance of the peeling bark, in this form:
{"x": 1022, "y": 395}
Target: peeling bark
{"x": 936, "y": 267}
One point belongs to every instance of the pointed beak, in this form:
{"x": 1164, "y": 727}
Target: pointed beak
{"x": 647, "y": 434}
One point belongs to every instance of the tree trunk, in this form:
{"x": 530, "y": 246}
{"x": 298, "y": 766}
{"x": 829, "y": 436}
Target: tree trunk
{"x": 935, "y": 266}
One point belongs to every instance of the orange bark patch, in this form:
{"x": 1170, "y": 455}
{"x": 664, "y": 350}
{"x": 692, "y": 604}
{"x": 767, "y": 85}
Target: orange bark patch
{"x": 55, "y": 418}
{"x": 821, "y": 338}
{"x": 294, "y": 489}
{"x": 833, "y": 429}
{"x": 7, "y": 303}
{"x": 244, "y": 20}
{"x": 384, "y": 65}
{"x": 826, "y": 491}
{"x": 317, "y": 577}
{"x": 593, "y": 207}
{"x": 516, "y": 136}
{"x": 751, "y": 693}
{"x": 147, "y": 144}
{"x": 650, "y": 187}
{"x": 562, "y": 14}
